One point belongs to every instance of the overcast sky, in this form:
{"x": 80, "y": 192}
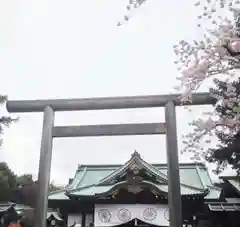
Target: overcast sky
{"x": 72, "y": 49}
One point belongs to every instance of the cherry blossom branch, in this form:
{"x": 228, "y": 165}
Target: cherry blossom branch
{"x": 131, "y": 7}
{"x": 217, "y": 54}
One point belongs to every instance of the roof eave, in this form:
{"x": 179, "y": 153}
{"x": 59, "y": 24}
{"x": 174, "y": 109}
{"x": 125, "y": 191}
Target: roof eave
{"x": 125, "y": 184}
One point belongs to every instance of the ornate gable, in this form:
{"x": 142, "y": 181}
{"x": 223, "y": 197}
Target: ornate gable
{"x": 135, "y": 169}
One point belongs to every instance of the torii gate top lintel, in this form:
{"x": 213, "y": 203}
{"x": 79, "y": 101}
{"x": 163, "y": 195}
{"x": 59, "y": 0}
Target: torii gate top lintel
{"x": 125, "y": 102}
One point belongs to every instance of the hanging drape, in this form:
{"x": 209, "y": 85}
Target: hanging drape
{"x": 106, "y": 215}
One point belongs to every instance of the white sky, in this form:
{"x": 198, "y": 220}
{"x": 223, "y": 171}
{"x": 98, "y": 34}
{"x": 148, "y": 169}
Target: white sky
{"x": 64, "y": 49}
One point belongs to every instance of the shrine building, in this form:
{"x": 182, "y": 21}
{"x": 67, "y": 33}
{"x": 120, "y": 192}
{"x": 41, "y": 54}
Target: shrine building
{"x": 136, "y": 194}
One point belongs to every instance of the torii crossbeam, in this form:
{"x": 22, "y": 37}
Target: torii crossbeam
{"x": 50, "y": 131}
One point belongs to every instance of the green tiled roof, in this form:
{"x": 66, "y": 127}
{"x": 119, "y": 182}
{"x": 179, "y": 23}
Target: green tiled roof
{"x": 4, "y": 207}
{"x": 214, "y": 192}
{"x": 235, "y": 184}
{"x": 224, "y": 207}
{"x": 20, "y": 208}
{"x": 234, "y": 181}
{"x": 54, "y": 214}
{"x": 58, "y": 195}
{"x": 17, "y": 207}
{"x": 89, "y": 179}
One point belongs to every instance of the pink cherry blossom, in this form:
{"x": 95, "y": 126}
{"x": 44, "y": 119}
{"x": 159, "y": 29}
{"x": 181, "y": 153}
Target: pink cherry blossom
{"x": 207, "y": 58}
{"x": 212, "y": 56}
{"x": 235, "y": 46}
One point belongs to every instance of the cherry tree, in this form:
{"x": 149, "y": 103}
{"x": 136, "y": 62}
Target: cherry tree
{"x": 215, "y": 56}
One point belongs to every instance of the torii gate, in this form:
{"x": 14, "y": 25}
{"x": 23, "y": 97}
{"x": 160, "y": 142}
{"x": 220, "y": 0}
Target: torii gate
{"x": 49, "y": 131}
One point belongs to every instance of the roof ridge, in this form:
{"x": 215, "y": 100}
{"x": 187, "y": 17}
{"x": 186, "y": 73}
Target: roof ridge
{"x": 188, "y": 186}
{"x": 214, "y": 187}
{"x": 153, "y": 164}
{"x": 82, "y": 176}
{"x": 193, "y": 187}
{"x": 165, "y": 176}
{"x": 199, "y": 176}
{"x": 78, "y": 169}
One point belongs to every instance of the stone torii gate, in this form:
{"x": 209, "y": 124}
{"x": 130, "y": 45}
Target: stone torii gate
{"x": 49, "y": 131}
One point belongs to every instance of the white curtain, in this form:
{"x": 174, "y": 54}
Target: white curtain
{"x": 74, "y": 218}
{"x": 88, "y": 219}
{"x": 106, "y": 215}
{"x": 77, "y": 219}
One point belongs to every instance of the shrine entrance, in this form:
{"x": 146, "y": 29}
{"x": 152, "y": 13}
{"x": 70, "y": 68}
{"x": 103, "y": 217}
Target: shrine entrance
{"x": 136, "y": 223}
{"x": 169, "y": 102}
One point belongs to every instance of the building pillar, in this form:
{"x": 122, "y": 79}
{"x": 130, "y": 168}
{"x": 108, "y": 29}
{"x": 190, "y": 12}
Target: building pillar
{"x": 44, "y": 168}
{"x": 64, "y": 213}
{"x": 174, "y": 192}
{"x": 83, "y": 219}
